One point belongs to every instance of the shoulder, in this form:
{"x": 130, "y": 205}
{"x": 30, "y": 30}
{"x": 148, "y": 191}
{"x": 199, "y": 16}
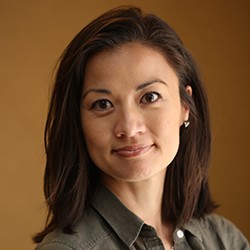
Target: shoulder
{"x": 223, "y": 226}
{"x": 220, "y": 232}
{"x": 89, "y": 232}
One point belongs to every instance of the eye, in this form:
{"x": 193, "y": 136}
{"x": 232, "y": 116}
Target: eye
{"x": 150, "y": 97}
{"x": 102, "y": 105}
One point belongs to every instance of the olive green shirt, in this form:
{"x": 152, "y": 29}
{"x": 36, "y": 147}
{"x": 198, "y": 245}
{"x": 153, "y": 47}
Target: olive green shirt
{"x": 108, "y": 225}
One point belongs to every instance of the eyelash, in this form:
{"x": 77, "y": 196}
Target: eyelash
{"x": 158, "y": 96}
{"x": 110, "y": 105}
{"x": 99, "y": 102}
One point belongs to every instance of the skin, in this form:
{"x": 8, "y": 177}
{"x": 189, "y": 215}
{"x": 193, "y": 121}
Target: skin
{"x": 131, "y": 115}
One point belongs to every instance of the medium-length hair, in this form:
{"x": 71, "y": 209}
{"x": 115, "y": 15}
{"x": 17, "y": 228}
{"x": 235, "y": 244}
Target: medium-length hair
{"x": 71, "y": 178}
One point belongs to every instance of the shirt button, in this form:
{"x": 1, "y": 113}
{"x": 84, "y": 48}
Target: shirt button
{"x": 180, "y": 234}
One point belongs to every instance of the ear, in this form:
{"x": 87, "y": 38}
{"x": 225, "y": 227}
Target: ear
{"x": 185, "y": 107}
{"x": 189, "y": 90}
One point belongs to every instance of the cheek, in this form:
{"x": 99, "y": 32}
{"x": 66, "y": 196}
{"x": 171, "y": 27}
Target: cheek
{"x": 96, "y": 136}
{"x": 165, "y": 121}
{"x": 168, "y": 132}
{"x": 166, "y": 128}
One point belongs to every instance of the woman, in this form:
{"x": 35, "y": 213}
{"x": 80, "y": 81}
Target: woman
{"x": 128, "y": 143}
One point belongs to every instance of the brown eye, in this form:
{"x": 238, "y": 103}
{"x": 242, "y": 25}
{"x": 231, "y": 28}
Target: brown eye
{"x": 150, "y": 97}
{"x": 102, "y": 105}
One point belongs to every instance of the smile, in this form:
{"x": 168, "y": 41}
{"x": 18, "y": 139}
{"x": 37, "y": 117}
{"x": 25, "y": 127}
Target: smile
{"x": 132, "y": 151}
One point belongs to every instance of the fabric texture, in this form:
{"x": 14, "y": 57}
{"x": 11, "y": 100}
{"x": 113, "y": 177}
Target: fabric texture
{"x": 108, "y": 225}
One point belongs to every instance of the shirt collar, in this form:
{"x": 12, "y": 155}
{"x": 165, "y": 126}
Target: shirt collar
{"x": 193, "y": 227}
{"x": 125, "y": 223}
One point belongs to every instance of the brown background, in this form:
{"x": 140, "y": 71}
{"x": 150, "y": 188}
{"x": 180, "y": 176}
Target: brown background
{"x": 34, "y": 33}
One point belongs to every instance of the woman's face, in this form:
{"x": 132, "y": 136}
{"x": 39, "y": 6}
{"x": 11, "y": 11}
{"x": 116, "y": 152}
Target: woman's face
{"x": 131, "y": 112}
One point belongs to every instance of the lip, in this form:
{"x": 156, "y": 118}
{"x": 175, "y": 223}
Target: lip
{"x": 132, "y": 150}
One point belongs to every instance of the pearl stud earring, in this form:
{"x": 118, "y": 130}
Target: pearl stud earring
{"x": 186, "y": 123}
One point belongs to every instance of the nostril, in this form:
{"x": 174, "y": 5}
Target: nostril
{"x": 129, "y": 123}
{"x": 129, "y": 131}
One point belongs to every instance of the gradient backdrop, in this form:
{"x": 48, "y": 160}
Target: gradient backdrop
{"x": 33, "y": 35}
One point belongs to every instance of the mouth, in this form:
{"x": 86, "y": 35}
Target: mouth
{"x": 133, "y": 150}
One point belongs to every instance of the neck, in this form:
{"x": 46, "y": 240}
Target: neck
{"x": 144, "y": 199}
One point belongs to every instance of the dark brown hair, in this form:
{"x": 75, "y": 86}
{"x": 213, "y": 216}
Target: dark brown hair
{"x": 71, "y": 178}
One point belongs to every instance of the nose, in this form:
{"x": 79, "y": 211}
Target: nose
{"x": 129, "y": 123}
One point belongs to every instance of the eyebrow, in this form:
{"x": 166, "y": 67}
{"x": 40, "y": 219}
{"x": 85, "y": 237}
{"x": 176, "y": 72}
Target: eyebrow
{"x": 97, "y": 90}
{"x": 108, "y": 92}
{"x": 146, "y": 84}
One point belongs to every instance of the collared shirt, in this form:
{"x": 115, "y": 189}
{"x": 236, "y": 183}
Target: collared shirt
{"x": 108, "y": 225}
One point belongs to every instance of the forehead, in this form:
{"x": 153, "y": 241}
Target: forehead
{"x": 135, "y": 48}
{"x": 129, "y": 61}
